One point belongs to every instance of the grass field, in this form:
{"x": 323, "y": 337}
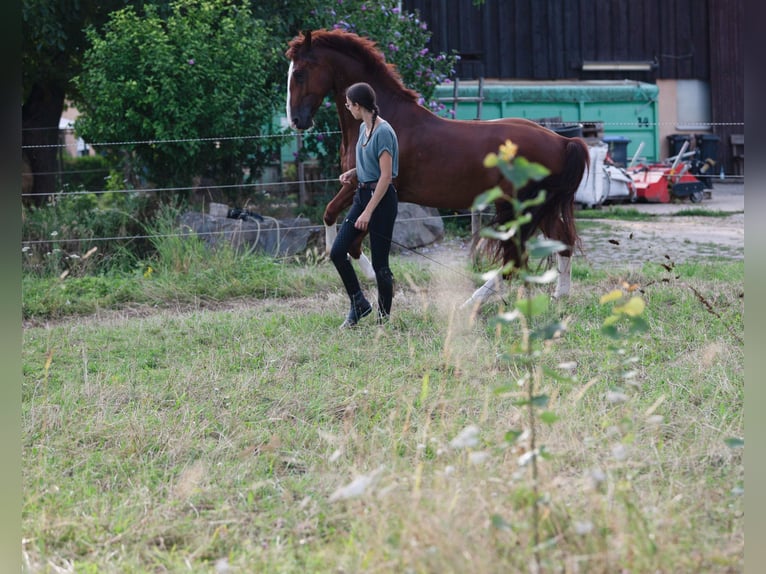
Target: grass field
{"x": 190, "y": 431}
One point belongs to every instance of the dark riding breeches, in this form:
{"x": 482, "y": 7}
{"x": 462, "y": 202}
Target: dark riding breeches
{"x": 381, "y": 229}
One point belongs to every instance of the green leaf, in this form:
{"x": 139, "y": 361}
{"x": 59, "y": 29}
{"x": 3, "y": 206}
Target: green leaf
{"x": 540, "y": 400}
{"x": 490, "y": 233}
{"x": 512, "y": 435}
{"x": 734, "y": 442}
{"x": 548, "y": 332}
{"x": 500, "y": 523}
{"x": 548, "y": 277}
{"x": 522, "y": 219}
{"x": 638, "y": 325}
{"x": 537, "y": 401}
{"x": 610, "y": 331}
{"x": 533, "y": 307}
{"x": 424, "y": 389}
{"x": 549, "y": 417}
{"x": 557, "y": 375}
{"x": 539, "y": 199}
{"x": 544, "y": 454}
{"x": 483, "y": 200}
{"x": 523, "y": 171}
{"x": 541, "y": 247}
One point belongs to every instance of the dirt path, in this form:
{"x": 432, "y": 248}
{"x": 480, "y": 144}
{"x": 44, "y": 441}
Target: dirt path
{"x": 610, "y": 243}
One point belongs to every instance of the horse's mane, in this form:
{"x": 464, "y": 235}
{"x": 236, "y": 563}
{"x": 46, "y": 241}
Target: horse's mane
{"x": 355, "y": 46}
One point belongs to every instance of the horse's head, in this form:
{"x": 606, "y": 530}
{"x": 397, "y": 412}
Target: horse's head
{"x": 308, "y": 82}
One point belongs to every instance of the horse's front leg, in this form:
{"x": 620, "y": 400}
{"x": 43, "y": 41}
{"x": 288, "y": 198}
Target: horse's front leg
{"x": 342, "y": 200}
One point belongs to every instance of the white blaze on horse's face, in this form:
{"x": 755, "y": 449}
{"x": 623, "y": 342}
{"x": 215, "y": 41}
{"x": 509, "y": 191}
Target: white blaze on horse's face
{"x": 289, "y": 78}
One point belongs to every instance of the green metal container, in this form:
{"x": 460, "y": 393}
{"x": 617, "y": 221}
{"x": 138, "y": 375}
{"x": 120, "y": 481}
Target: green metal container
{"x": 625, "y": 108}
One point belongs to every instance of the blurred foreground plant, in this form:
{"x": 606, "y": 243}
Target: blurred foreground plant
{"x": 536, "y": 334}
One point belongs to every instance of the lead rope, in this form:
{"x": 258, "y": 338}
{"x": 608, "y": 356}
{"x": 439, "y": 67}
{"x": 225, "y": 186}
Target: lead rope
{"x": 447, "y": 267}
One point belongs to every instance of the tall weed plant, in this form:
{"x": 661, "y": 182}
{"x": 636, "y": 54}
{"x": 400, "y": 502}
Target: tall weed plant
{"x": 57, "y": 235}
{"x": 613, "y": 483}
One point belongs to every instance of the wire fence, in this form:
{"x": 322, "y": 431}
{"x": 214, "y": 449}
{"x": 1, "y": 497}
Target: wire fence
{"x": 272, "y": 186}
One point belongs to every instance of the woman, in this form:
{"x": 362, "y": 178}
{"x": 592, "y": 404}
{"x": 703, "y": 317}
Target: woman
{"x": 375, "y": 204}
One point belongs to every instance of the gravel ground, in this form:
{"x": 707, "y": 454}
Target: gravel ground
{"x": 676, "y": 237}
{"x": 633, "y": 243}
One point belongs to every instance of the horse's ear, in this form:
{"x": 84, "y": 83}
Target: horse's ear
{"x": 307, "y": 40}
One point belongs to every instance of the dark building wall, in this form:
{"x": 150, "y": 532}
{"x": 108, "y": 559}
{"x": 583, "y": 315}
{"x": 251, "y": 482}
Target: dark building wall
{"x": 550, "y": 39}
{"x": 727, "y": 75}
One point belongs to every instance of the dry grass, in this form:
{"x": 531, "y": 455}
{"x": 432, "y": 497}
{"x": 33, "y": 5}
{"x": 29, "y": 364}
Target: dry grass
{"x": 262, "y": 439}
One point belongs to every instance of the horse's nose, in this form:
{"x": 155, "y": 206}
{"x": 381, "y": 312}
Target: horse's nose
{"x": 302, "y": 121}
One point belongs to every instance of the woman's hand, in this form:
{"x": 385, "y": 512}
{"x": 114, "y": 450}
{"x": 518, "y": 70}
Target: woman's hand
{"x": 363, "y": 221}
{"x": 348, "y": 176}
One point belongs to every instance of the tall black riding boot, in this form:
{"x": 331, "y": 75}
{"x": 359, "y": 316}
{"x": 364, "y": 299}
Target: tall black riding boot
{"x": 385, "y": 281}
{"x": 360, "y": 307}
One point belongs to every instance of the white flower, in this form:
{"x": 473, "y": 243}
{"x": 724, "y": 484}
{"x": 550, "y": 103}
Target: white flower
{"x": 467, "y": 438}
{"x": 356, "y": 487}
{"x": 616, "y": 397}
{"x": 619, "y": 451}
{"x": 597, "y": 476}
{"x": 478, "y": 457}
{"x": 527, "y": 457}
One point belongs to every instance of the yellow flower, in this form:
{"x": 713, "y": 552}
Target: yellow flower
{"x": 508, "y": 150}
{"x": 148, "y": 272}
{"x": 490, "y": 160}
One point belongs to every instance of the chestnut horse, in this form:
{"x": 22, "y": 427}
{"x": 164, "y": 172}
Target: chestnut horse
{"x": 441, "y": 161}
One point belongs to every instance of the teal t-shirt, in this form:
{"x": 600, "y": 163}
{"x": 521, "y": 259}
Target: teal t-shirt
{"x": 367, "y": 163}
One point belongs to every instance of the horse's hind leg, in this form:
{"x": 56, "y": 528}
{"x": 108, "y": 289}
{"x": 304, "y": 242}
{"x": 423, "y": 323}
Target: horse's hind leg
{"x": 559, "y": 232}
{"x": 564, "y": 279}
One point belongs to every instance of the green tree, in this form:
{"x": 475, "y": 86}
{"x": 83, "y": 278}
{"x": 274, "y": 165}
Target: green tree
{"x": 53, "y": 40}
{"x": 195, "y": 82}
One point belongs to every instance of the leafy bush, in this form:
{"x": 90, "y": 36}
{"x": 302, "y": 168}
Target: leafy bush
{"x": 89, "y": 172}
{"x": 196, "y": 80}
{"x": 60, "y": 236}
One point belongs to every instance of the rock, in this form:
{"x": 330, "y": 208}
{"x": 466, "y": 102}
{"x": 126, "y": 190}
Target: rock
{"x": 416, "y": 226}
{"x": 277, "y": 237}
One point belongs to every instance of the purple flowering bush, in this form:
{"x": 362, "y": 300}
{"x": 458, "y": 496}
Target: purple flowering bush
{"x": 402, "y": 37}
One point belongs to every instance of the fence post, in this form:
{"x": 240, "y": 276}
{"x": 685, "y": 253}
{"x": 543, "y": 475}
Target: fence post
{"x": 302, "y": 192}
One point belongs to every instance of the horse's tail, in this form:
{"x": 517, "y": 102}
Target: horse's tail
{"x": 576, "y": 164}
{"x": 555, "y": 218}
